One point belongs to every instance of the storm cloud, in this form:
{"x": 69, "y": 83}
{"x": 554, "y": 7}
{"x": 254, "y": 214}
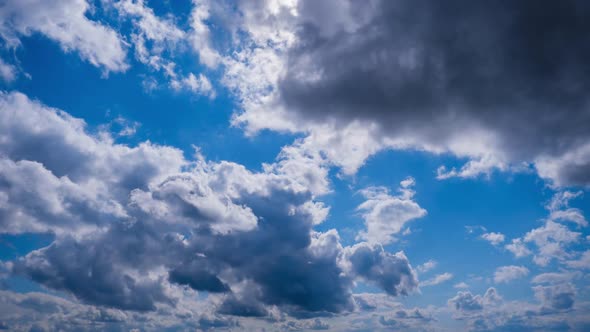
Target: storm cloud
{"x": 500, "y": 82}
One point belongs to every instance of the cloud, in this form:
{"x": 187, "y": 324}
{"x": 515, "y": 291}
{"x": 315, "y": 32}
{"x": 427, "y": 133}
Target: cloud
{"x": 390, "y": 272}
{"x": 82, "y": 181}
{"x": 199, "y": 85}
{"x": 508, "y": 273}
{"x": 493, "y": 238}
{"x": 405, "y": 319}
{"x": 583, "y": 262}
{"x": 369, "y": 67}
{"x": 465, "y": 301}
{"x": 88, "y": 271}
{"x": 518, "y": 248}
{"x": 7, "y": 71}
{"x": 554, "y": 277}
{"x": 560, "y": 211}
{"x": 386, "y": 215}
{"x": 157, "y": 40}
{"x": 305, "y": 325}
{"x": 551, "y": 240}
{"x": 492, "y": 313}
{"x": 200, "y": 34}
{"x": 461, "y": 285}
{"x": 556, "y": 297}
{"x": 138, "y": 228}
{"x": 196, "y": 275}
{"x": 39, "y": 311}
{"x": 427, "y": 266}
{"x": 438, "y": 279}
{"x": 67, "y": 23}
{"x": 554, "y": 241}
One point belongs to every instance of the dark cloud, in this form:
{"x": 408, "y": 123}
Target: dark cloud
{"x": 196, "y": 277}
{"x": 514, "y": 72}
{"x": 390, "y": 272}
{"x": 246, "y": 307}
{"x": 90, "y": 274}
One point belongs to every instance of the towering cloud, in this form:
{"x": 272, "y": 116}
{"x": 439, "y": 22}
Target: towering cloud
{"x": 133, "y": 225}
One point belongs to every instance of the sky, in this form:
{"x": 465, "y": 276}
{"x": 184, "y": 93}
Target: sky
{"x": 294, "y": 165}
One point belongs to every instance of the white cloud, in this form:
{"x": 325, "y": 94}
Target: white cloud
{"x": 200, "y": 34}
{"x": 386, "y": 215}
{"x": 560, "y": 211}
{"x": 7, "y": 71}
{"x": 551, "y": 240}
{"x": 555, "y": 168}
{"x": 157, "y": 39}
{"x": 583, "y": 262}
{"x": 438, "y": 279}
{"x": 66, "y": 23}
{"x": 555, "y": 277}
{"x": 461, "y": 285}
{"x": 505, "y": 274}
{"x": 150, "y": 27}
{"x": 196, "y": 84}
{"x": 427, "y": 266}
{"x": 493, "y": 237}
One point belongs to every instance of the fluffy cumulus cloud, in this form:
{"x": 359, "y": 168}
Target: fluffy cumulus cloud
{"x": 386, "y": 215}
{"x": 140, "y": 236}
{"x": 466, "y": 301}
{"x": 493, "y": 238}
{"x": 556, "y": 238}
{"x": 141, "y": 228}
{"x": 67, "y": 23}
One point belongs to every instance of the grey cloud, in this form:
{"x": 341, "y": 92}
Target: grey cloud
{"x": 508, "y": 72}
{"x": 197, "y": 277}
{"x": 465, "y": 301}
{"x": 23, "y": 312}
{"x": 135, "y": 225}
{"x": 63, "y": 144}
{"x": 314, "y": 325}
{"x": 391, "y": 272}
{"x": 89, "y": 273}
{"x": 247, "y": 307}
{"x": 556, "y": 297}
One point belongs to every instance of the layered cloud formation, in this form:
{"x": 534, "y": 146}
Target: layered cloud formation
{"x": 143, "y": 235}
{"x": 133, "y": 225}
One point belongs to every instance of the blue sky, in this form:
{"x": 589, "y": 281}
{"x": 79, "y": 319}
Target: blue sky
{"x": 293, "y": 165}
